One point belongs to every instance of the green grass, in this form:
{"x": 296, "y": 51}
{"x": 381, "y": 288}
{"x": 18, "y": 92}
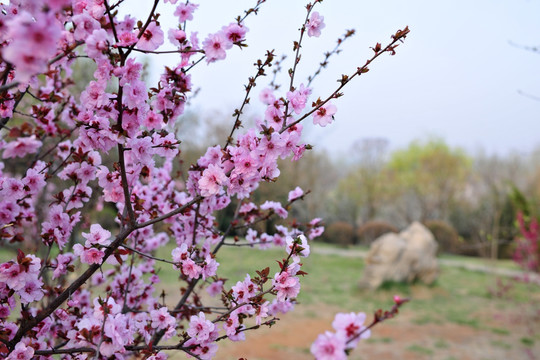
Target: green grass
{"x": 501, "y": 344}
{"x": 458, "y": 296}
{"x": 420, "y": 349}
{"x": 441, "y": 344}
{"x": 384, "y": 340}
{"x": 500, "y": 331}
{"x": 504, "y": 264}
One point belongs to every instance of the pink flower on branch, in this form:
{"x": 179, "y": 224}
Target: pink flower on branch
{"x": 184, "y": 11}
{"x": 21, "y": 352}
{"x": 215, "y": 47}
{"x": 329, "y": 346}
{"x": 131, "y": 125}
{"x": 21, "y": 147}
{"x": 324, "y": 115}
{"x": 212, "y": 180}
{"x": 200, "y": 329}
{"x": 315, "y": 24}
{"x": 152, "y": 38}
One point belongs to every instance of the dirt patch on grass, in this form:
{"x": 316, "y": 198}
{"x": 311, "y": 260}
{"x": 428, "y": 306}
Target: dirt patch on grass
{"x": 398, "y": 338}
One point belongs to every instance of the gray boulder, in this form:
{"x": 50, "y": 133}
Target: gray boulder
{"x": 402, "y": 257}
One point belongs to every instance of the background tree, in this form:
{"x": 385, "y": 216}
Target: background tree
{"x": 427, "y": 178}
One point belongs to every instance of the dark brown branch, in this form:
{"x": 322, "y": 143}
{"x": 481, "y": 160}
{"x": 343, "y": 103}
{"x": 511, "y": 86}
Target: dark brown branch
{"x": 143, "y": 29}
{"x": 251, "y": 84}
{"x": 27, "y": 325}
{"x": 292, "y": 72}
{"x": 399, "y": 36}
{"x": 328, "y": 54}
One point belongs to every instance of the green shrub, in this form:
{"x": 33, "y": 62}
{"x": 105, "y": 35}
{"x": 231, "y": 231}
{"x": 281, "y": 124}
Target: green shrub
{"x": 371, "y": 230}
{"x": 446, "y": 236}
{"x": 339, "y": 232}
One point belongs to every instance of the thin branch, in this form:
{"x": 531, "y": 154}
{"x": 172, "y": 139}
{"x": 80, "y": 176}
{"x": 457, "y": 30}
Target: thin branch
{"x": 534, "y": 49}
{"x": 328, "y": 54}
{"x": 170, "y": 213}
{"x": 238, "y": 306}
{"x": 251, "y": 84}
{"x": 178, "y": 51}
{"x": 527, "y": 95}
{"x": 157, "y": 336}
{"x": 125, "y": 186}
{"x": 19, "y": 97}
{"x": 399, "y": 36}
{"x": 147, "y": 255}
{"x": 292, "y": 72}
{"x": 270, "y": 322}
{"x": 143, "y": 29}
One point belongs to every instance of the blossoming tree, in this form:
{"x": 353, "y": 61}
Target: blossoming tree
{"x": 88, "y": 293}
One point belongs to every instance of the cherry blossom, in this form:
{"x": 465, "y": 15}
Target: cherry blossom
{"x": 215, "y": 47}
{"x": 93, "y": 178}
{"x": 329, "y": 346}
{"x": 184, "y": 11}
{"x": 324, "y": 115}
{"x": 152, "y": 38}
{"x": 315, "y": 24}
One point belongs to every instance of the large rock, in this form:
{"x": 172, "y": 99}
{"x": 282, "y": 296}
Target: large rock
{"x": 406, "y": 256}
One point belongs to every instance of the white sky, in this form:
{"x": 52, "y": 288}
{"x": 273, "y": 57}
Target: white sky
{"x": 456, "y": 76}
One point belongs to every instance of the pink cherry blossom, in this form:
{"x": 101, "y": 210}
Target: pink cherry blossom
{"x": 324, "y": 115}
{"x": 21, "y": 147}
{"x": 302, "y": 244}
{"x": 12, "y": 188}
{"x": 287, "y": 286}
{"x": 215, "y": 47}
{"x": 235, "y": 32}
{"x": 348, "y": 326}
{"x": 135, "y": 94}
{"x": 6, "y": 108}
{"x": 215, "y": 288}
{"x": 177, "y": 37}
{"x": 88, "y": 255}
{"x": 212, "y": 180}
{"x": 184, "y": 11}
{"x": 267, "y": 96}
{"x": 295, "y": 194}
{"x": 97, "y": 236}
{"x": 276, "y": 207}
{"x": 191, "y": 269}
{"x": 200, "y": 328}
{"x": 84, "y": 26}
{"x": 33, "y": 42}
{"x": 329, "y": 346}
{"x": 152, "y": 38}
{"x": 315, "y": 24}
{"x": 21, "y": 352}
{"x": 97, "y": 43}
{"x": 161, "y": 319}
{"x": 62, "y": 262}
{"x": 34, "y": 181}
{"x": 31, "y": 291}
{"x": 298, "y": 98}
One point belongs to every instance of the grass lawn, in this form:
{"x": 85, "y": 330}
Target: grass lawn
{"x": 459, "y": 303}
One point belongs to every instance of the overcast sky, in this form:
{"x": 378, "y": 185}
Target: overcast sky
{"x": 456, "y": 76}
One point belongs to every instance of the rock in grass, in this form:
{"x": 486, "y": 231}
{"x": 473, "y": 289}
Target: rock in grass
{"x": 404, "y": 257}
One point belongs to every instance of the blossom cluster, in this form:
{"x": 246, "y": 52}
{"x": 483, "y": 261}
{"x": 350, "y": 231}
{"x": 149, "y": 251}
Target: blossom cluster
{"x": 526, "y": 253}
{"x": 113, "y": 148}
{"x": 349, "y": 329}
